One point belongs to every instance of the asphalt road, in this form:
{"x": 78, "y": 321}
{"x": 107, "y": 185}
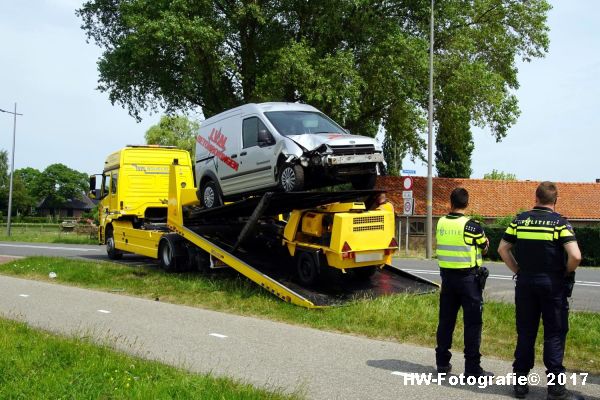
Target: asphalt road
{"x": 500, "y": 286}
{"x": 320, "y": 365}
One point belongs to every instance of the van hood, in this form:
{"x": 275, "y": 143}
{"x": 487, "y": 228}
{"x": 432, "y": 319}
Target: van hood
{"x": 312, "y": 141}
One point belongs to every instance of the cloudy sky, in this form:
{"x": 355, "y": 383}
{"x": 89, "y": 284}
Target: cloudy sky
{"x": 49, "y": 70}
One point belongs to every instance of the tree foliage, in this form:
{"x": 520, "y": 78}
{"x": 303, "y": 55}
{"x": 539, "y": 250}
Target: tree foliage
{"x": 4, "y": 180}
{"x": 59, "y": 183}
{"x": 174, "y": 130}
{"x": 365, "y": 62}
{"x": 500, "y": 176}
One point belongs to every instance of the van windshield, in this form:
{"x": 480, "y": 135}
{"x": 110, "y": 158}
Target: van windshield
{"x": 300, "y": 122}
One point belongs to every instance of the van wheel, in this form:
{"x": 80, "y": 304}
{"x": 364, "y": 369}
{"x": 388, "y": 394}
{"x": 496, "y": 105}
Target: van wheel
{"x": 307, "y": 269}
{"x": 211, "y": 195}
{"x": 111, "y": 250}
{"x": 291, "y": 178}
{"x": 364, "y": 182}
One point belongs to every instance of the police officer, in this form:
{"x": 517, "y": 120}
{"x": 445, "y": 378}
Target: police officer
{"x": 461, "y": 242}
{"x": 540, "y": 238}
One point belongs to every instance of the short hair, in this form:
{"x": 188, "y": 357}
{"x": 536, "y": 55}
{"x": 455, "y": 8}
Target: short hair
{"x": 546, "y": 192}
{"x": 459, "y": 198}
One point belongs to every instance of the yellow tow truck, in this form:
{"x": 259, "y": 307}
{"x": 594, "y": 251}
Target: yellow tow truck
{"x": 149, "y": 206}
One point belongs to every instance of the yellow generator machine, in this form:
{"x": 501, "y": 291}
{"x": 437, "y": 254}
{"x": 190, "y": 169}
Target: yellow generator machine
{"x": 343, "y": 236}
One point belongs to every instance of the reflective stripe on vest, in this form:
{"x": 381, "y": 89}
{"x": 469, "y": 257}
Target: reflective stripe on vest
{"x": 452, "y": 251}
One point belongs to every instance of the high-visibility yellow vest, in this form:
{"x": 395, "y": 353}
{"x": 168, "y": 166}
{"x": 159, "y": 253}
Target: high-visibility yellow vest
{"x": 452, "y": 250}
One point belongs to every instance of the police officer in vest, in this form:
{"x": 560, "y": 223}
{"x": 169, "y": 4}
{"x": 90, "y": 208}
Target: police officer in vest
{"x": 546, "y": 254}
{"x": 461, "y": 242}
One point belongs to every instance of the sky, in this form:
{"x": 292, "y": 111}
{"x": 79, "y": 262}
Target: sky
{"x": 49, "y": 70}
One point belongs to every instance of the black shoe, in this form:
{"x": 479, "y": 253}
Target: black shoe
{"x": 521, "y": 391}
{"x": 560, "y": 392}
{"x": 444, "y": 369}
{"x": 478, "y": 373}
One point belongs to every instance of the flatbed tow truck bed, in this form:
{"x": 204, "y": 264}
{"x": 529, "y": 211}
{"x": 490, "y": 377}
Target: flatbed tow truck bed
{"x": 273, "y": 268}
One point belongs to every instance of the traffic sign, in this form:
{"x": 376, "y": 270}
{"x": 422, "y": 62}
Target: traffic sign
{"x": 408, "y": 172}
{"x": 407, "y": 194}
{"x": 407, "y": 182}
{"x": 407, "y": 208}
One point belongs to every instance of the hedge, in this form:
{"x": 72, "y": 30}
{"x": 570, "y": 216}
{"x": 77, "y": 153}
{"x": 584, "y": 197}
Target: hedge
{"x": 587, "y": 237}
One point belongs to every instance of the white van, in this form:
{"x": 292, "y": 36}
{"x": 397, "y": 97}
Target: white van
{"x": 289, "y": 146}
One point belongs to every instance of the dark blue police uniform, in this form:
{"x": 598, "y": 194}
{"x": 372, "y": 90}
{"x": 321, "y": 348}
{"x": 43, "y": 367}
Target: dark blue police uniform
{"x": 538, "y": 237}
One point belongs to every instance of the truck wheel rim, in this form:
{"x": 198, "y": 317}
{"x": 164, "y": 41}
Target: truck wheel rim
{"x": 167, "y": 256}
{"x": 288, "y": 179}
{"x": 209, "y": 197}
{"x": 110, "y": 244}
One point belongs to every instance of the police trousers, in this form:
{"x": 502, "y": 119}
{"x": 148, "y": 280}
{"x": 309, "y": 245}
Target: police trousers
{"x": 541, "y": 295}
{"x": 460, "y": 289}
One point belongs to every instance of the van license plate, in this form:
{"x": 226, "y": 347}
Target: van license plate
{"x": 370, "y": 256}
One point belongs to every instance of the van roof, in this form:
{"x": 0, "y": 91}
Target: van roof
{"x": 260, "y": 108}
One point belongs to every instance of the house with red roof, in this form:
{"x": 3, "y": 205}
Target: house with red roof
{"x": 491, "y": 199}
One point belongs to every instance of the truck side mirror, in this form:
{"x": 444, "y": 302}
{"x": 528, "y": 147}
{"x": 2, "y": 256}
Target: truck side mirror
{"x": 265, "y": 138}
{"x": 93, "y": 192}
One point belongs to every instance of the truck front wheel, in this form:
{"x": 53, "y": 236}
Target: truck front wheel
{"x": 111, "y": 250}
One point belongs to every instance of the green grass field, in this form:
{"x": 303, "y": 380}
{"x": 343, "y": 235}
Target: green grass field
{"x": 402, "y": 318}
{"x": 39, "y": 365}
{"x": 45, "y": 234}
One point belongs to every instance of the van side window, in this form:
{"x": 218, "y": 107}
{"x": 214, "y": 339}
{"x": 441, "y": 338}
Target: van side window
{"x": 113, "y": 183}
{"x": 250, "y": 132}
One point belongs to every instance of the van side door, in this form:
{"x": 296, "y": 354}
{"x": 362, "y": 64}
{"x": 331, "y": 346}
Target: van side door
{"x": 256, "y": 158}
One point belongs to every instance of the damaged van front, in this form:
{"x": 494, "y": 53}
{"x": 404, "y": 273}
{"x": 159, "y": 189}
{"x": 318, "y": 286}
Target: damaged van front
{"x": 326, "y": 151}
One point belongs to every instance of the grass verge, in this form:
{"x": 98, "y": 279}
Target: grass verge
{"x": 47, "y": 237}
{"x": 36, "y": 365}
{"x": 403, "y": 318}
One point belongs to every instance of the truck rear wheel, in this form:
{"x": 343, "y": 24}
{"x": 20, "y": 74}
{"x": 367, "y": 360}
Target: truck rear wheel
{"x": 172, "y": 254}
{"x": 111, "y": 250}
{"x": 307, "y": 268}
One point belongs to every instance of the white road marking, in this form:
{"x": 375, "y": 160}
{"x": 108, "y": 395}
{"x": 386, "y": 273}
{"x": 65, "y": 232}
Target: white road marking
{"x": 217, "y": 335}
{"x": 493, "y": 276}
{"x": 23, "y": 295}
{"x": 400, "y": 373}
{"x": 28, "y": 246}
{"x": 104, "y": 311}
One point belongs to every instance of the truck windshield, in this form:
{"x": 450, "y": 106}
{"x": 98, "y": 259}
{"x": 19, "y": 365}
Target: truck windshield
{"x": 300, "y": 122}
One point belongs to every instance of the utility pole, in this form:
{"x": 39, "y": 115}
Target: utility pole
{"x": 12, "y": 166}
{"x": 429, "y": 220}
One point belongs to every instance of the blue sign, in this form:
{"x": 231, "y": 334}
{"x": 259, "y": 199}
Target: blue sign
{"x": 409, "y": 171}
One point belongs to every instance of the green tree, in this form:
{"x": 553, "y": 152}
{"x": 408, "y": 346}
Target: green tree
{"x": 174, "y": 130}
{"x": 365, "y": 63}
{"x": 4, "y": 181}
{"x": 500, "y": 176}
{"x": 25, "y": 189}
{"x": 59, "y": 183}
{"x": 454, "y": 144}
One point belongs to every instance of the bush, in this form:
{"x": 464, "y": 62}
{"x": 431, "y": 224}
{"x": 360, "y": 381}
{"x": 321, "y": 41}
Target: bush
{"x": 587, "y": 237}
{"x": 589, "y": 243}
